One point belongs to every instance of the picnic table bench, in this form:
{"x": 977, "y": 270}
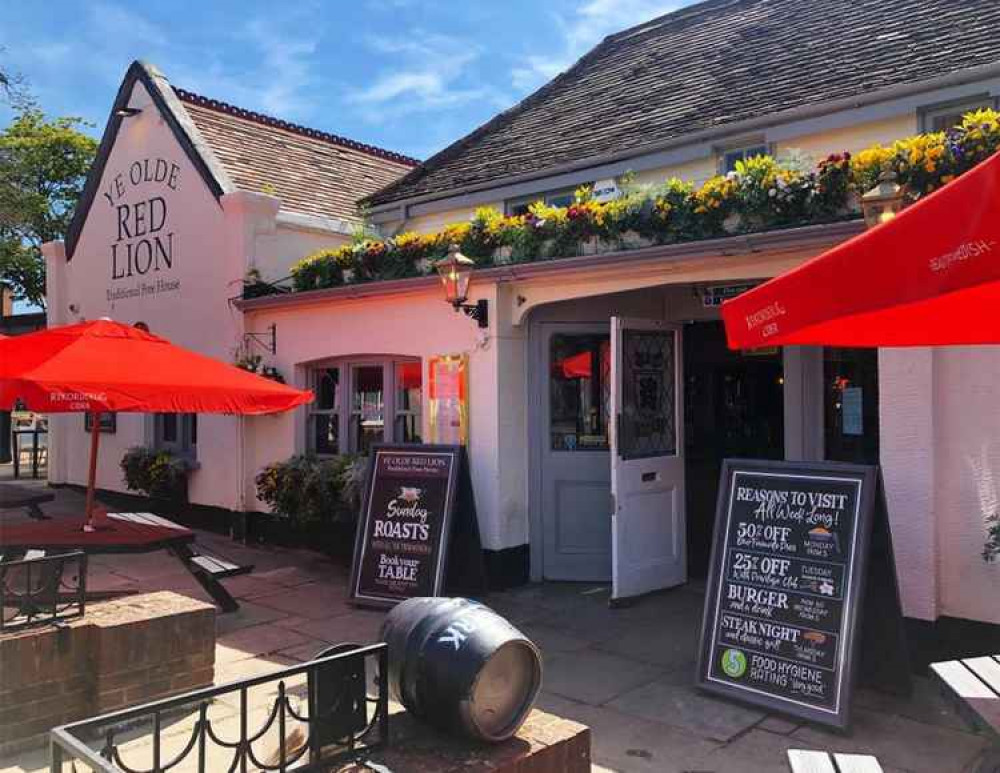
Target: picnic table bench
{"x": 14, "y": 496}
{"x": 973, "y": 684}
{"x": 127, "y": 533}
{"x": 805, "y": 761}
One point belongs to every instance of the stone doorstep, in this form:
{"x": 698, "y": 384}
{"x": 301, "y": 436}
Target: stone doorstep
{"x": 545, "y": 743}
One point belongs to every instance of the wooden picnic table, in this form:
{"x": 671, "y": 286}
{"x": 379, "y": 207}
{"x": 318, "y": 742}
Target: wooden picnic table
{"x": 973, "y": 684}
{"x": 126, "y": 533}
{"x": 13, "y": 495}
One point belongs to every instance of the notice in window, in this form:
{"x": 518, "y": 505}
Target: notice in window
{"x": 852, "y": 411}
{"x": 448, "y": 401}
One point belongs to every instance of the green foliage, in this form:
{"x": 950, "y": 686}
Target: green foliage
{"x": 306, "y": 489}
{"x": 43, "y": 167}
{"x": 155, "y": 473}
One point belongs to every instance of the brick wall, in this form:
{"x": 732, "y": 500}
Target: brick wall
{"x": 121, "y": 653}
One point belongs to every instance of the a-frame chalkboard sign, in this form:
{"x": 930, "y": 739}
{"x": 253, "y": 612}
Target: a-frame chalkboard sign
{"x": 787, "y": 587}
{"x": 417, "y": 534}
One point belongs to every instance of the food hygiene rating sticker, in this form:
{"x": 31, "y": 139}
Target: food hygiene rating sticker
{"x": 734, "y": 663}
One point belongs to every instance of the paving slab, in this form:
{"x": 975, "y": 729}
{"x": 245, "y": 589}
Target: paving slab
{"x": 247, "y": 615}
{"x": 927, "y": 704}
{"x": 255, "y": 641}
{"x": 760, "y": 752}
{"x": 899, "y": 741}
{"x": 620, "y": 742}
{"x": 316, "y": 600}
{"x": 594, "y": 677}
{"x": 659, "y": 643}
{"x": 355, "y": 625}
{"x": 551, "y": 640}
{"x": 685, "y": 708}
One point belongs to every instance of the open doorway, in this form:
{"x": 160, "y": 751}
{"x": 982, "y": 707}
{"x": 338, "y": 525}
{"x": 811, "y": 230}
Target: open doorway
{"x": 733, "y": 407}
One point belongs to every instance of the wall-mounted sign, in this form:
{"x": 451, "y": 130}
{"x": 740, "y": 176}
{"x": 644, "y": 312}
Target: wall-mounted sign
{"x": 448, "y": 399}
{"x": 405, "y": 524}
{"x": 606, "y": 190}
{"x": 786, "y": 586}
{"x": 142, "y": 254}
{"x": 714, "y": 295}
{"x": 108, "y": 422}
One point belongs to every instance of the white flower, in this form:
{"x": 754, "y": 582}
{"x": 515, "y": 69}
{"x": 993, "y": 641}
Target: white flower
{"x": 772, "y": 193}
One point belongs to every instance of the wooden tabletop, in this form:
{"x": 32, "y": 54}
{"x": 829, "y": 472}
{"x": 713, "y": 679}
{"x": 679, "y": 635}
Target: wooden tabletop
{"x": 974, "y": 685}
{"x": 123, "y": 533}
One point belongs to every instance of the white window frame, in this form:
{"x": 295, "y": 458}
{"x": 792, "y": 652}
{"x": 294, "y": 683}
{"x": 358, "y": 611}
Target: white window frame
{"x": 186, "y": 444}
{"x": 546, "y": 196}
{"x": 344, "y": 408}
{"x": 747, "y": 148}
{"x": 956, "y": 107}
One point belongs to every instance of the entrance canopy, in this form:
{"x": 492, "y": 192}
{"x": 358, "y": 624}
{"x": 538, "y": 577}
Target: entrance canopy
{"x": 930, "y": 276}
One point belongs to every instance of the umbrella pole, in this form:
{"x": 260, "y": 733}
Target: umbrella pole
{"x": 95, "y": 439}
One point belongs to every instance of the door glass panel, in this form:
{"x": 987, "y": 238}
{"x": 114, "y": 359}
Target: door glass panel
{"x": 409, "y": 382}
{"x": 327, "y": 389}
{"x": 649, "y": 410}
{"x": 326, "y": 433}
{"x": 850, "y": 405}
{"x": 367, "y": 408}
{"x": 579, "y": 393}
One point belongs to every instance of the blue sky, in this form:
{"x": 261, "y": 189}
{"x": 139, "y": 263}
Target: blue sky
{"x": 408, "y": 75}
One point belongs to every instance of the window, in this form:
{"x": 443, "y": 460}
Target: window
{"x": 560, "y": 198}
{"x": 177, "y": 433}
{"x": 362, "y": 402}
{"x": 940, "y": 118}
{"x": 580, "y": 391}
{"x": 729, "y": 157}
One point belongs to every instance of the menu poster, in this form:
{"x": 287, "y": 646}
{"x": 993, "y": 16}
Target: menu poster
{"x": 786, "y": 586}
{"x": 405, "y": 524}
{"x": 448, "y": 401}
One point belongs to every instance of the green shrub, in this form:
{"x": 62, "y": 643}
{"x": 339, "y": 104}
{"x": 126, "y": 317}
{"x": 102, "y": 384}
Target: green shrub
{"x": 306, "y": 489}
{"x": 155, "y": 472}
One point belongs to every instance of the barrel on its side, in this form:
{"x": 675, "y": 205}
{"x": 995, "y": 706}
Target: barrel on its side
{"x": 458, "y": 665}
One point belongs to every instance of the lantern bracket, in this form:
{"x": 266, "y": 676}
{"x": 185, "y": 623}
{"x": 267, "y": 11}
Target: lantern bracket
{"x": 267, "y": 341}
{"x": 479, "y": 311}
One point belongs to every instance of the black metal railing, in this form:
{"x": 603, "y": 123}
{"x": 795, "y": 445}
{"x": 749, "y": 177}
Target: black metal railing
{"x": 226, "y": 728}
{"x": 42, "y": 590}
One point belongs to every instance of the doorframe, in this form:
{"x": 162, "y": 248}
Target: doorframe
{"x": 537, "y": 434}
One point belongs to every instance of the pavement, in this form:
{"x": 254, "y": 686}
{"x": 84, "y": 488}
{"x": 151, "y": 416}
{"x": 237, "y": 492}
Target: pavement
{"x": 626, "y": 673}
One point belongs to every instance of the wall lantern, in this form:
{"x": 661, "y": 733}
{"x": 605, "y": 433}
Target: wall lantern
{"x": 883, "y": 202}
{"x": 456, "y": 276}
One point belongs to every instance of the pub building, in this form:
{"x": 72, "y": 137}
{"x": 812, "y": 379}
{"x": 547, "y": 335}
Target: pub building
{"x": 190, "y": 196}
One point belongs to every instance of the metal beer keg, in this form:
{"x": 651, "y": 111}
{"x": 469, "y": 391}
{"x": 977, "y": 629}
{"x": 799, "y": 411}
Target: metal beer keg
{"x": 458, "y": 665}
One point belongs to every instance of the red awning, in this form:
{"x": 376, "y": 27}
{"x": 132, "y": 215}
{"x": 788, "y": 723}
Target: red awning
{"x": 930, "y": 276}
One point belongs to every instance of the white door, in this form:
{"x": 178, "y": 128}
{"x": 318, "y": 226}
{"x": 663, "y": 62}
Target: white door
{"x": 647, "y": 458}
{"x": 575, "y": 468}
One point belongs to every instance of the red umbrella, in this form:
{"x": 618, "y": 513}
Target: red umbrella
{"x": 930, "y": 276}
{"x": 108, "y": 366}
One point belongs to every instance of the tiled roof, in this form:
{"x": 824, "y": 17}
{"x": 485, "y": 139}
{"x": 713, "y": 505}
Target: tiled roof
{"x": 716, "y": 63}
{"x": 312, "y": 172}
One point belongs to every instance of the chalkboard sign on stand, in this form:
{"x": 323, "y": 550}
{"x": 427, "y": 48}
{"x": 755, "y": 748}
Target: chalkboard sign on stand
{"x": 787, "y": 585}
{"x": 417, "y": 507}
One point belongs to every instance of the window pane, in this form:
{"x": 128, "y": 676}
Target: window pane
{"x": 649, "y": 410}
{"x": 409, "y": 396}
{"x": 368, "y": 407}
{"x": 580, "y": 367}
{"x": 560, "y": 200}
{"x": 325, "y": 433}
{"x": 327, "y": 388}
{"x": 168, "y": 427}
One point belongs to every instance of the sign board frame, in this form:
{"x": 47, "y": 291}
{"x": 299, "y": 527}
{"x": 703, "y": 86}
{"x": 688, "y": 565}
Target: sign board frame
{"x": 856, "y": 564}
{"x": 363, "y": 595}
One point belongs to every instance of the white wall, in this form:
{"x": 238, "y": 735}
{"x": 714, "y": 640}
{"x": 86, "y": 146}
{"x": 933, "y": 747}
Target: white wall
{"x": 941, "y": 460}
{"x": 209, "y": 244}
{"x": 417, "y": 324}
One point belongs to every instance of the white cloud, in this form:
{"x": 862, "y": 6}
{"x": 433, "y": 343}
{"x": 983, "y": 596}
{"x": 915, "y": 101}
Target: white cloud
{"x": 433, "y": 72}
{"x": 590, "y": 23}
